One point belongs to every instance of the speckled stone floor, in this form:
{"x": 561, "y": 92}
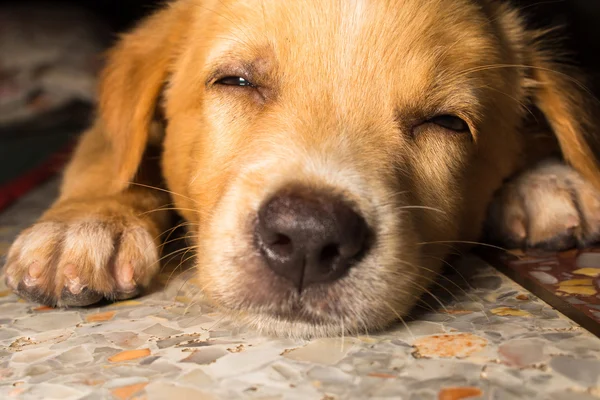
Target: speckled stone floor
{"x": 489, "y": 339}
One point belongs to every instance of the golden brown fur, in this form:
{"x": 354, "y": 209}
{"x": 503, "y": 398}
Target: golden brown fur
{"x": 345, "y": 94}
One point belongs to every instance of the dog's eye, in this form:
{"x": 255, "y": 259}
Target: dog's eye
{"x": 450, "y": 122}
{"x": 234, "y": 81}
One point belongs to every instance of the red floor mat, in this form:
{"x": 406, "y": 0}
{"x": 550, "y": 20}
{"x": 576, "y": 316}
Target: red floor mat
{"x": 21, "y": 185}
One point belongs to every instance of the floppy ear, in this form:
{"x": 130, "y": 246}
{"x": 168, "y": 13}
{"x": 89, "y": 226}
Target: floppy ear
{"x": 569, "y": 108}
{"x": 130, "y": 85}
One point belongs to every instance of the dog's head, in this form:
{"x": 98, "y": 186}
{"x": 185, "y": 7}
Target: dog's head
{"x": 329, "y": 153}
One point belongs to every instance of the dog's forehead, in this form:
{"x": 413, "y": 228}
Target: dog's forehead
{"x": 418, "y": 44}
{"x": 407, "y": 54}
{"x": 336, "y": 27}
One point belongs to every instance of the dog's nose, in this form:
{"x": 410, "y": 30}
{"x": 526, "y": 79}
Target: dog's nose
{"x": 310, "y": 237}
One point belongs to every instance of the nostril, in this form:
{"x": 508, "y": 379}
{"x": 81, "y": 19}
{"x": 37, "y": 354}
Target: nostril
{"x": 329, "y": 255}
{"x": 282, "y": 240}
{"x": 282, "y": 245}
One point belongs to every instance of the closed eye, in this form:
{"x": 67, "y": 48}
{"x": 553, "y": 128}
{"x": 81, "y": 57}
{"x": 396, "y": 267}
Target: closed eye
{"x": 450, "y": 122}
{"x": 234, "y": 81}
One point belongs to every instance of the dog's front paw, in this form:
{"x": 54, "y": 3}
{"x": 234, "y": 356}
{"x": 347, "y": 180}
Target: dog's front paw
{"x": 550, "y": 207}
{"x": 79, "y": 262}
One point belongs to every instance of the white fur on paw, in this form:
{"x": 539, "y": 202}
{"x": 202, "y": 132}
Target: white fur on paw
{"x": 79, "y": 263}
{"x": 550, "y": 206}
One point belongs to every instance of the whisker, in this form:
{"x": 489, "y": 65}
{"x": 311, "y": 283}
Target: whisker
{"x": 469, "y": 295}
{"x": 167, "y": 263}
{"x": 217, "y": 323}
{"x": 400, "y": 318}
{"x": 173, "y": 229}
{"x": 425, "y": 290}
{"x": 525, "y": 106}
{"x": 422, "y": 304}
{"x": 365, "y": 327}
{"x": 175, "y": 240}
{"x": 186, "y": 281}
{"x": 343, "y": 333}
{"x": 455, "y": 270}
{"x": 173, "y": 253}
{"x": 540, "y": 3}
{"x": 422, "y": 208}
{"x": 431, "y": 280}
{"x": 154, "y": 239}
{"x": 395, "y": 194}
{"x": 180, "y": 265}
{"x": 166, "y": 209}
{"x": 190, "y": 305}
{"x": 163, "y": 190}
{"x": 464, "y": 242}
{"x": 524, "y": 66}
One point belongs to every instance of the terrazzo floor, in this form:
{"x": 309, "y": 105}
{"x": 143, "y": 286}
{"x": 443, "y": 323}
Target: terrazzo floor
{"x": 488, "y": 339}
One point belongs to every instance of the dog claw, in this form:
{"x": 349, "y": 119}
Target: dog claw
{"x": 125, "y": 280}
{"x": 571, "y": 222}
{"x": 33, "y": 273}
{"x": 29, "y": 280}
{"x": 35, "y": 270}
{"x": 518, "y": 228}
{"x": 75, "y": 286}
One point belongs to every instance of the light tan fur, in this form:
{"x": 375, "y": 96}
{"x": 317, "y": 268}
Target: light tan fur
{"x": 345, "y": 93}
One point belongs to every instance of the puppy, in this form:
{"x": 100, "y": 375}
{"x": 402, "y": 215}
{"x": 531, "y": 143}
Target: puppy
{"x": 326, "y": 155}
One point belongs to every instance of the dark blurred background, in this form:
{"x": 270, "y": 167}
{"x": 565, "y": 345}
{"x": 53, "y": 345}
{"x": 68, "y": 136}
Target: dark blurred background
{"x": 119, "y": 13}
{"x": 45, "y": 100}
{"x": 581, "y": 19}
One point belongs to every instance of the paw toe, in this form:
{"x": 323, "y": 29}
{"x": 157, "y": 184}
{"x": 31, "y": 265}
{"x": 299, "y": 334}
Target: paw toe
{"x": 550, "y": 207}
{"x": 124, "y": 277}
{"x": 10, "y": 281}
{"x": 80, "y": 263}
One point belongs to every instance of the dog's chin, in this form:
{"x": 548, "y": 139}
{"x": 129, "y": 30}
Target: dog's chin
{"x": 304, "y": 319}
{"x": 363, "y": 301}
{"x": 303, "y": 328}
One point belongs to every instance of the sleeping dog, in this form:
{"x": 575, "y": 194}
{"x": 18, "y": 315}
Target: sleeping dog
{"x": 325, "y": 155}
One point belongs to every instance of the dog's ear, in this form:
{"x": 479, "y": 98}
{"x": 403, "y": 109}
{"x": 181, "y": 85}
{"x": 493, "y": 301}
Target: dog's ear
{"x": 130, "y": 84}
{"x": 568, "y": 106}
{"x": 553, "y": 87}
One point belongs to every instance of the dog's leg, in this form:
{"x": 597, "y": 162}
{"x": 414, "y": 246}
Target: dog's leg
{"x": 95, "y": 241}
{"x": 550, "y": 206}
